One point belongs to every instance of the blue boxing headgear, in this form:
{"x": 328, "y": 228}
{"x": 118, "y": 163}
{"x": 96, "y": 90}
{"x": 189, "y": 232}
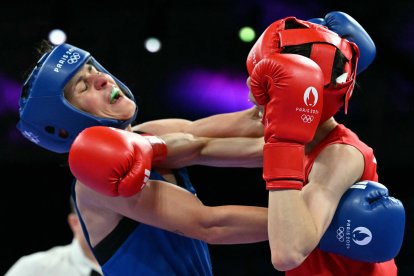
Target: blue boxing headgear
{"x": 46, "y": 117}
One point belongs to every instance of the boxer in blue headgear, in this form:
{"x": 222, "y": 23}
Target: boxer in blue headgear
{"x": 46, "y": 116}
{"x": 162, "y": 229}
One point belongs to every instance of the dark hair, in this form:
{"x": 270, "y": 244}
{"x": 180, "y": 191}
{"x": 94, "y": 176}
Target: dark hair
{"x": 305, "y": 50}
{"x": 43, "y": 48}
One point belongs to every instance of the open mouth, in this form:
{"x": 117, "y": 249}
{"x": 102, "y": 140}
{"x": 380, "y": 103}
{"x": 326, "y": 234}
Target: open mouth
{"x": 115, "y": 94}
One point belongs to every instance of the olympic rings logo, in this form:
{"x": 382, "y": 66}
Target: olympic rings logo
{"x": 307, "y": 118}
{"x": 74, "y": 58}
{"x": 340, "y": 233}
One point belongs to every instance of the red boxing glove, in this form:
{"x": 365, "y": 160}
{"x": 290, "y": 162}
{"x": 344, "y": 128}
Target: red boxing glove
{"x": 290, "y": 87}
{"x": 266, "y": 45}
{"x": 111, "y": 161}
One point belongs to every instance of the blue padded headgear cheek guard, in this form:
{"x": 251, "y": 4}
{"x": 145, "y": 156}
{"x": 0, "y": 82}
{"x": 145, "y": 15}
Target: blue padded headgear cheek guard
{"x": 46, "y": 117}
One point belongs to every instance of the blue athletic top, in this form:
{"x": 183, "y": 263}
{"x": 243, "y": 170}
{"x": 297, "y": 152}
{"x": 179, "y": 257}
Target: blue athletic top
{"x": 134, "y": 248}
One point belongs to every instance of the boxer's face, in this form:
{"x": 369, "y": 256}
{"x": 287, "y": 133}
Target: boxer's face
{"x": 98, "y": 94}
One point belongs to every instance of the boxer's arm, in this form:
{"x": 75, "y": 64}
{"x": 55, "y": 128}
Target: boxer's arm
{"x": 186, "y": 149}
{"x": 244, "y": 123}
{"x": 298, "y": 219}
{"x": 169, "y": 207}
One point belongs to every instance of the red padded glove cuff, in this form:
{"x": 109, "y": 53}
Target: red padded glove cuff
{"x": 159, "y": 148}
{"x": 283, "y": 165}
{"x": 284, "y": 184}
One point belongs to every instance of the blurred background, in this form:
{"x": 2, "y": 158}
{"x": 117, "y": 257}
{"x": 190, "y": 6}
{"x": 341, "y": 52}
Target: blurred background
{"x": 195, "y": 67}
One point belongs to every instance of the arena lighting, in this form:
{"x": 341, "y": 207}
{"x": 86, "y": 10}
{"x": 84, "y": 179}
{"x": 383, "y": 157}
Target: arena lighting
{"x": 57, "y": 36}
{"x": 152, "y": 44}
{"x": 247, "y": 34}
{"x": 202, "y": 92}
{"x": 9, "y": 95}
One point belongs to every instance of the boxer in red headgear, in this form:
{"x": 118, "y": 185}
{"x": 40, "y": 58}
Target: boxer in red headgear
{"x": 323, "y": 47}
{"x": 301, "y": 74}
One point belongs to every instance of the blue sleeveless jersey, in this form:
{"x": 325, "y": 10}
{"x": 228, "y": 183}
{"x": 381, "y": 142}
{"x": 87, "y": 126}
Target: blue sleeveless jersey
{"x": 134, "y": 248}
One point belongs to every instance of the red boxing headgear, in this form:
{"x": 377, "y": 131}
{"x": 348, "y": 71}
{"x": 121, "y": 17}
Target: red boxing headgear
{"x": 324, "y": 45}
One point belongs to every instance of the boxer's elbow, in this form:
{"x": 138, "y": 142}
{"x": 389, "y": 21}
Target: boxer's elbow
{"x": 287, "y": 255}
{"x": 284, "y": 260}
